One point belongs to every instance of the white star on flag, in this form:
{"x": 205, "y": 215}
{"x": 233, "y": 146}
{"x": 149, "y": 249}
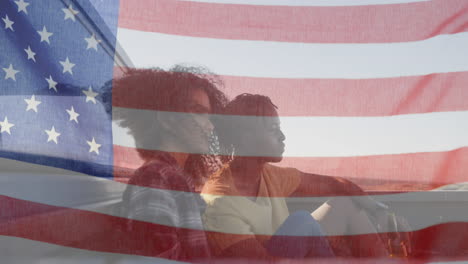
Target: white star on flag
{"x": 6, "y": 126}
{"x": 69, "y": 13}
{"x": 93, "y": 146}
{"x": 52, "y": 83}
{"x": 30, "y": 53}
{"x": 67, "y": 66}
{"x": 45, "y": 35}
{"x": 22, "y": 6}
{"x": 90, "y": 95}
{"x": 10, "y": 73}
{"x": 8, "y": 23}
{"x": 32, "y": 103}
{"x": 73, "y": 115}
{"x": 92, "y": 42}
{"x": 53, "y": 135}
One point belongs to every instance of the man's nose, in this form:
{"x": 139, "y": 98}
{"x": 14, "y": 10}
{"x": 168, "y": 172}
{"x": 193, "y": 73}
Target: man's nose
{"x": 282, "y": 136}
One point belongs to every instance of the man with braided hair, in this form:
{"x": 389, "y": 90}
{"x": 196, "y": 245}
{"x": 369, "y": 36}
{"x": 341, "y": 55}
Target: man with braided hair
{"x": 246, "y": 202}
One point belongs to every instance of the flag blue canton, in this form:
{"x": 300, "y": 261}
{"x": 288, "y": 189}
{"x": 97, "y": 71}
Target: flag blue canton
{"x": 54, "y": 58}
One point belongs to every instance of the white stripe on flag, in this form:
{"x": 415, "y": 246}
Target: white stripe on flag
{"x": 444, "y": 53}
{"x": 339, "y": 136}
{"x": 92, "y": 194}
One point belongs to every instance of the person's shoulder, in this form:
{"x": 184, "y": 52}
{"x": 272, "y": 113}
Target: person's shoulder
{"x": 275, "y": 171}
{"x": 161, "y": 167}
{"x": 282, "y": 180}
{"x": 162, "y": 175}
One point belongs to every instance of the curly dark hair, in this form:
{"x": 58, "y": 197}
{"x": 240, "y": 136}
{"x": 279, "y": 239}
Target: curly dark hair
{"x": 166, "y": 91}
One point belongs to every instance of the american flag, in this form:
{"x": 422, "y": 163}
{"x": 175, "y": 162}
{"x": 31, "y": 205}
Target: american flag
{"x": 54, "y": 66}
{"x": 373, "y": 90}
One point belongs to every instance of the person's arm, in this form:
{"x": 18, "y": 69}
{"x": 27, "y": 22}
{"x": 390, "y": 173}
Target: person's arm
{"x": 156, "y": 206}
{"x": 319, "y": 185}
{"x": 314, "y": 185}
{"x": 176, "y": 217}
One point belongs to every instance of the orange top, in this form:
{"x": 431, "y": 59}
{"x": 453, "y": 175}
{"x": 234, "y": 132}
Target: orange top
{"x": 235, "y": 218}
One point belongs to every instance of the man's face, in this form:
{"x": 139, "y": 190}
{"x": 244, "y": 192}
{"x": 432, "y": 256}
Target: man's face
{"x": 263, "y": 137}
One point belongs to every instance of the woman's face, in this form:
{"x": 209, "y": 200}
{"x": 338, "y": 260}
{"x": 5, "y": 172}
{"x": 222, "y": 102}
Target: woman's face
{"x": 193, "y": 128}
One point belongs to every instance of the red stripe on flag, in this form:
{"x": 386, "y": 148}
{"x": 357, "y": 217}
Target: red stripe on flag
{"x": 389, "y": 173}
{"x": 349, "y": 24}
{"x": 403, "y": 171}
{"x": 343, "y": 97}
{"x": 98, "y": 232}
{"x": 84, "y": 229}
{"x": 362, "y": 97}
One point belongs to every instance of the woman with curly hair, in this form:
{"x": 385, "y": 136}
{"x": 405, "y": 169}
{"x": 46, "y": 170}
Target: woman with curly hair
{"x": 173, "y": 139}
